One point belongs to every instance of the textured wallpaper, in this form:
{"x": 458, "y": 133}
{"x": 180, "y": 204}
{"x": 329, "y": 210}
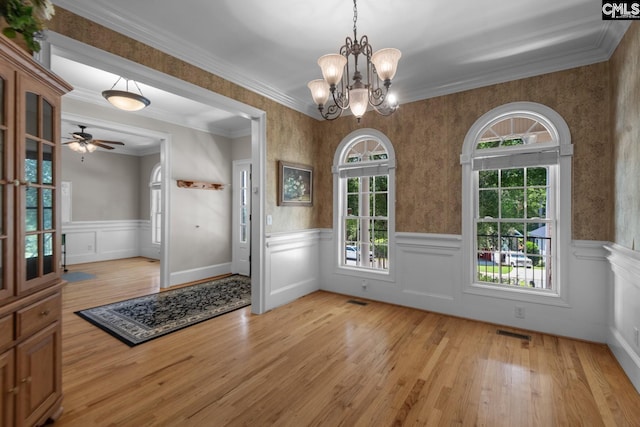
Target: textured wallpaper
{"x": 625, "y": 95}
{"x": 289, "y": 133}
{"x": 427, "y": 136}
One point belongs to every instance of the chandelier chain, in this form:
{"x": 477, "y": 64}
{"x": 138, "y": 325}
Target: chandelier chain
{"x": 355, "y": 20}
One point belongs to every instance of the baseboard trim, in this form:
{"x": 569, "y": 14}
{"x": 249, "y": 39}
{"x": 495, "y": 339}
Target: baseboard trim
{"x": 626, "y": 356}
{"x": 195, "y": 274}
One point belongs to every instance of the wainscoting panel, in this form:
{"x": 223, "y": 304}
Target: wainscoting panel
{"x": 623, "y": 336}
{"x": 429, "y": 277}
{"x": 291, "y": 266}
{"x": 426, "y": 266}
{"x": 92, "y": 241}
{"x": 147, "y": 249}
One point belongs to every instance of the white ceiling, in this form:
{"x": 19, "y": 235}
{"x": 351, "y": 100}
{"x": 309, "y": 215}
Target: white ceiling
{"x": 271, "y": 47}
{"x": 88, "y": 83}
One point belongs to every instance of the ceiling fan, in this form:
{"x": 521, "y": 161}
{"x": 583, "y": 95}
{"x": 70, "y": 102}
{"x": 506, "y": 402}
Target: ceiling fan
{"x": 83, "y": 142}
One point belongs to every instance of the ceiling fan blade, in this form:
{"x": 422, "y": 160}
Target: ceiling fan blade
{"x": 107, "y": 142}
{"x": 96, "y": 143}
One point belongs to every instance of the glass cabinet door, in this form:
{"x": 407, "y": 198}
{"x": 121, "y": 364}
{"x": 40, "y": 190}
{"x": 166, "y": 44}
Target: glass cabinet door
{"x": 39, "y": 193}
{"x": 7, "y": 187}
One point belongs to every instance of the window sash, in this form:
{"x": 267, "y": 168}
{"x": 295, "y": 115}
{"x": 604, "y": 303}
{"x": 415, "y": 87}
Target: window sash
{"x": 521, "y": 160}
{"x": 542, "y": 280}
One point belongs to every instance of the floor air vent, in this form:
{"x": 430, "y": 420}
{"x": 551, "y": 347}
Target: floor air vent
{"x": 514, "y": 335}
{"x": 352, "y": 301}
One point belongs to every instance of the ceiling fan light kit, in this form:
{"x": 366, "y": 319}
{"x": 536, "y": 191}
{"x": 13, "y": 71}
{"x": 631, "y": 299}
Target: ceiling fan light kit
{"x": 124, "y": 99}
{"x": 83, "y": 142}
{"x": 381, "y": 68}
{"x": 80, "y": 147}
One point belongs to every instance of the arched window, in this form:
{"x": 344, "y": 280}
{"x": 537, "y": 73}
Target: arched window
{"x": 155, "y": 185}
{"x": 516, "y": 201}
{"x": 364, "y": 203}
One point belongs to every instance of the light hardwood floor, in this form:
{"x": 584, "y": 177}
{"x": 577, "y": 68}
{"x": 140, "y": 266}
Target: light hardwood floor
{"x": 323, "y": 361}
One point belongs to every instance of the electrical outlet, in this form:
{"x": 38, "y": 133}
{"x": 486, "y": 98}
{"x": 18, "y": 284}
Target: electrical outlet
{"x": 636, "y": 336}
{"x": 519, "y": 312}
{"x": 364, "y": 285}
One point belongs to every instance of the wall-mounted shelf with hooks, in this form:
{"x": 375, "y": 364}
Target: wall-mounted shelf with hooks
{"x": 200, "y": 185}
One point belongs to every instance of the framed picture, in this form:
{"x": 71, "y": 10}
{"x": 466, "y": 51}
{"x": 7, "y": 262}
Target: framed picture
{"x": 295, "y": 184}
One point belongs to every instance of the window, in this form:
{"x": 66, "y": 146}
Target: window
{"x": 364, "y": 181}
{"x": 155, "y": 185}
{"x": 516, "y": 201}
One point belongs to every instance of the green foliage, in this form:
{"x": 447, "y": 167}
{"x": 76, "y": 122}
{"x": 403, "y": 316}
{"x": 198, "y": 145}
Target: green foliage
{"x": 26, "y": 18}
{"x": 532, "y": 249}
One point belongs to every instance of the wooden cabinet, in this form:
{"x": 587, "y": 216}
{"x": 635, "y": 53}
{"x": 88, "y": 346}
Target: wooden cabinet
{"x": 30, "y": 246}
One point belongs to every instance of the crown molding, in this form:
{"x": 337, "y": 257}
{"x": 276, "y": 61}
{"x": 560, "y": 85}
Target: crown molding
{"x": 611, "y": 33}
{"x": 610, "y": 36}
{"x": 109, "y": 17}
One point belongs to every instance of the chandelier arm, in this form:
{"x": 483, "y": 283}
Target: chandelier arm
{"x": 378, "y": 96}
{"x": 340, "y": 100}
{"x": 333, "y": 112}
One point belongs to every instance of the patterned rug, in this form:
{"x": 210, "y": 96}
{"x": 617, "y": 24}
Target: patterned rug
{"x": 141, "y": 319}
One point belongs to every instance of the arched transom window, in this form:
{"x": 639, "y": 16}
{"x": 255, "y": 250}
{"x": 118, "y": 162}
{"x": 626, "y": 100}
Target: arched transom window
{"x": 364, "y": 179}
{"x": 513, "y": 197}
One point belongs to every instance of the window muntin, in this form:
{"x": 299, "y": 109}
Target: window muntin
{"x": 513, "y": 131}
{"x": 514, "y": 223}
{"x": 156, "y": 205}
{"x": 364, "y": 183}
{"x": 366, "y": 222}
{"x": 517, "y": 136}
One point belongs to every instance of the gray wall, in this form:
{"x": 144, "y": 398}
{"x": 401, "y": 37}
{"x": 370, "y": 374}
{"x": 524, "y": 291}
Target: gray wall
{"x": 104, "y": 186}
{"x": 200, "y": 219}
{"x": 241, "y": 148}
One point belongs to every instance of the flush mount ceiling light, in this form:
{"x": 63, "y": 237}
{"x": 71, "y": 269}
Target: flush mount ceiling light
{"x": 381, "y": 67}
{"x": 125, "y": 100}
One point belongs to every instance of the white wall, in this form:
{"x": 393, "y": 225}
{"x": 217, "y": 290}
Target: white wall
{"x": 624, "y": 307}
{"x": 92, "y": 241}
{"x": 429, "y": 278}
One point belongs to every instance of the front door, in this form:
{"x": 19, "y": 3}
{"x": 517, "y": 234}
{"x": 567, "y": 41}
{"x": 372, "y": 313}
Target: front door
{"x": 241, "y": 223}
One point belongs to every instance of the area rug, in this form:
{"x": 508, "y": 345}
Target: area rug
{"x": 137, "y": 320}
{"x": 77, "y": 276}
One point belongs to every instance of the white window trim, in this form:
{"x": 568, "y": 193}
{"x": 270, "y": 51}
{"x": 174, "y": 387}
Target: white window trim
{"x": 155, "y": 185}
{"x": 390, "y": 168}
{"x": 564, "y": 148}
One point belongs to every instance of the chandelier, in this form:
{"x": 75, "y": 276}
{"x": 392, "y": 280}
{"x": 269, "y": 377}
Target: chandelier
{"x": 124, "y": 99}
{"x": 336, "y": 69}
